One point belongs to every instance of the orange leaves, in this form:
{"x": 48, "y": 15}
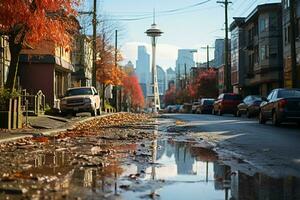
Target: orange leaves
{"x": 134, "y": 91}
{"x": 38, "y": 20}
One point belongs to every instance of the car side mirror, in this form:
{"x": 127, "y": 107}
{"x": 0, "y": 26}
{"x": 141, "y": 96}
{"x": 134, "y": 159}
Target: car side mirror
{"x": 264, "y": 99}
{"x": 96, "y": 94}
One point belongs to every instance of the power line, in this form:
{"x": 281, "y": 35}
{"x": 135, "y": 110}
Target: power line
{"x": 146, "y": 15}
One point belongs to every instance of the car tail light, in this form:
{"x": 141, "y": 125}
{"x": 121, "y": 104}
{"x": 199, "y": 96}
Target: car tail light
{"x": 282, "y": 103}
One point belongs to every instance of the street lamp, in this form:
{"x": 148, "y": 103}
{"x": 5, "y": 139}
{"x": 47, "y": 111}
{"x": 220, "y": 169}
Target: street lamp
{"x": 154, "y": 32}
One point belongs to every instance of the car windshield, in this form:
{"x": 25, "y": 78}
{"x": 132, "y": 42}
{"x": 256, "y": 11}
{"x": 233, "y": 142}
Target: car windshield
{"x": 288, "y": 93}
{"x": 256, "y": 98}
{"x": 232, "y": 97}
{"x": 208, "y": 102}
{"x": 79, "y": 91}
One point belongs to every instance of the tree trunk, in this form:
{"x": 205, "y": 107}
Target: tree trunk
{"x": 15, "y": 50}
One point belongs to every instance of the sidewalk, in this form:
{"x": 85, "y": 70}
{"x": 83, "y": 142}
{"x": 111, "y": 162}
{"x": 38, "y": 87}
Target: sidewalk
{"x": 46, "y": 125}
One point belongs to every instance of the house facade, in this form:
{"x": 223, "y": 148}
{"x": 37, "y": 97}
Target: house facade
{"x": 48, "y": 68}
{"x": 286, "y": 40}
{"x": 257, "y": 62}
{"x": 82, "y": 59}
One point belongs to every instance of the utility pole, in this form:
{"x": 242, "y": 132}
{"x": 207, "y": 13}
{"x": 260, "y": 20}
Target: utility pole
{"x": 293, "y": 44}
{"x": 207, "y": 54}
{"x": 116, "y": 65}
{"x": 226, "y": 68}
{"x": 185, "y": 76}
{"x": 94, "y": 71}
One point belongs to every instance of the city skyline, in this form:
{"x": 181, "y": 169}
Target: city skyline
{"x": 174, "y": 25}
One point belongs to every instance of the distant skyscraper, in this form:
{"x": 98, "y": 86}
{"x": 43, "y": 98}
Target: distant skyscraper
{"x": 185, "y": 59}
{"x": 129, "y": 68}
{"x": 143, "y": 65}
{"x": 219, "y": 52}
{"x": 171, "y": 75}
{"x": 219, "y": 59}
{"x": 162, "y": 80}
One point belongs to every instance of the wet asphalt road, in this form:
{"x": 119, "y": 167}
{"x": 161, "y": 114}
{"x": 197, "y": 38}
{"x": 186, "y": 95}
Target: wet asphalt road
{"x": 270, "y": 149}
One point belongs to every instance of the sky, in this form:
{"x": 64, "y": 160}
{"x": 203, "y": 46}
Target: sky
{"x": 193, "y": 27}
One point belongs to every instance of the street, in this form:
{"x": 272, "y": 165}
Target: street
{"x": 273, "y": 150}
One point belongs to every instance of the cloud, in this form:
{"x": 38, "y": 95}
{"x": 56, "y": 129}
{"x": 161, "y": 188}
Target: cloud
{"x": 166, "y": 54}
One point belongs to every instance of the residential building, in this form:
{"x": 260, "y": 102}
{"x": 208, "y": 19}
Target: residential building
{"x": 47, "y": 67}
{"x": 143, "y": 65}
{"x": 237, "y": 56}
{"x": 184, "y": 63}
{"x": 204, "y": 64}
{"x": 82, "y": 59}
{"x": 4, "y": 59}
{"x": 257, "y": 51}
{"x": 286, "y": 28}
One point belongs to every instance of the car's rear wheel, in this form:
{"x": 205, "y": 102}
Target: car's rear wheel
{"x": 275, "y": 120}
{"x": 261, "y": 118}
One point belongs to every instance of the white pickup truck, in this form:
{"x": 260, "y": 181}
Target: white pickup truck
{"x": 81, "y": 99}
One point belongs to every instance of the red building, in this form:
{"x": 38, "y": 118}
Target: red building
{"x": 47, "y": 68}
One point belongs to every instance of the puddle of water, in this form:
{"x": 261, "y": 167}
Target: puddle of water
{"x": 160, "y": 169}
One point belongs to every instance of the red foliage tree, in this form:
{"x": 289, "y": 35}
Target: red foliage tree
{"x": 205, "y": 85}
{"x": 133, "y": 91}
{"x": 170, "y": 96}
{"x": 31, "y": 21}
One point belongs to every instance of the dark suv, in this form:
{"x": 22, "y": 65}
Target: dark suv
{"x": 226, "y": 104}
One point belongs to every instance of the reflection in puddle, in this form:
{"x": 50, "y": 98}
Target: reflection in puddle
{"x": 159, "y": 169}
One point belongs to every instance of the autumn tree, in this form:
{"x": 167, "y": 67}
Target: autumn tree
{"x": 170, "y": 96}
{"x": 205, "y": 85}
{"x": 133, "y": 91}
{"x": 27, "y": 22}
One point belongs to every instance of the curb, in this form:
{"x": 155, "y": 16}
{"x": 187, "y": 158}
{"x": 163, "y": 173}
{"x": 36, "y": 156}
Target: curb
{"x": 53, "y": 132}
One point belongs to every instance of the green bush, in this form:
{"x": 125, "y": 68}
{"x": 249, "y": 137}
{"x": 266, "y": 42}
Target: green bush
{"x": 5, "y": 95}
{"x": 107, "y": 105}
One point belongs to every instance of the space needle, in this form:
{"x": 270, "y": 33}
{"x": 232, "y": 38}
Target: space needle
{"x": 154, "y": 32}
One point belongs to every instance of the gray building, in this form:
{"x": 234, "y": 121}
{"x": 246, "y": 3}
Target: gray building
{"x": 185, "y": 61}
{"x": 219, "y": 59}
{"x": 162, "y": 80}
{"x": 257, "y": 51}
{"x": 171, "y": 76}
{"x": 286, "y": 29}
{"x": 143, "y": 65}
{"x": 219, "y": 52}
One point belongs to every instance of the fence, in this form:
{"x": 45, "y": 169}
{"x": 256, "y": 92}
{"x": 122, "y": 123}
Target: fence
{"x": 33, "y": 104}
{"x": 11, "y": 116}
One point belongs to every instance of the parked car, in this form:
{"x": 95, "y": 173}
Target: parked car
{"x": 226, "y": 104}
{"x": 185, "y": 108}
{"x": 249, "y": 106}
{"x": 195, "y": 106}
{"x": 169, "y": 108}
{"x": 81, "y": 99}
{"x": 175, "y": 108}
{"x": 206, "y": 106}
{"x": 282, "y": 105}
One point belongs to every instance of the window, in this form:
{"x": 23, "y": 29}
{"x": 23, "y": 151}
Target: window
{"x": 270, "y": 95}
{"x": 264, "y": 52}
{"x": 286, "y": 4}
{"x": 263, "y": 24}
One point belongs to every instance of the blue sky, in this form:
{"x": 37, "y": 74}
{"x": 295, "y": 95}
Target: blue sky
{"x": 191, "y": 28}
